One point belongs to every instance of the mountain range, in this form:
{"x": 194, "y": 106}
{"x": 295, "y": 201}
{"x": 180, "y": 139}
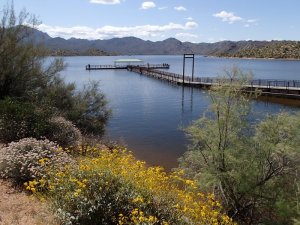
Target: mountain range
{"x": 170, "y": 46}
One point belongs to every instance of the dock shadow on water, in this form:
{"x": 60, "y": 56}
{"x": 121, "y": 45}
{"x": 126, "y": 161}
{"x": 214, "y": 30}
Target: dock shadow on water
{"x": 281, "y": 101}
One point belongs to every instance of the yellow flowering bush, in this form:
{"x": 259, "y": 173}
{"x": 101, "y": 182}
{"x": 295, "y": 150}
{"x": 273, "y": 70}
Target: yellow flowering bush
{"x": 112, "y": 187}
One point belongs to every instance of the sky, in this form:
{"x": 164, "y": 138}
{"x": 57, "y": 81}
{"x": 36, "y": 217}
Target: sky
{"x": 186, "y": 20}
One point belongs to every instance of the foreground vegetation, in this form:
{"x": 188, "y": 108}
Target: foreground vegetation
{"x": 251, "y": 167}
{"x": 106, "y": 186}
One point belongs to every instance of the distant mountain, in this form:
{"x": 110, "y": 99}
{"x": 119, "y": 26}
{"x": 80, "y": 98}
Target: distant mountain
{"x": 170, "y": 46}
{"x": 272, "y": 49}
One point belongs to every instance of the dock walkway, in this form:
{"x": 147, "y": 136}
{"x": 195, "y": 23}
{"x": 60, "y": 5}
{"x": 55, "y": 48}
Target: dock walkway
{"x": 281, "y": 88}
{"x": 113, "y": 67}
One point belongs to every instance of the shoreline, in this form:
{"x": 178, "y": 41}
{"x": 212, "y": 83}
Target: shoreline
{"x": 253, "y": 58}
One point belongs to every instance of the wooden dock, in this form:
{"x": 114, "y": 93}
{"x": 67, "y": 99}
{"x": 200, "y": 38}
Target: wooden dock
{"x": 114, "y": 67}
{"x": 279, "y": 88}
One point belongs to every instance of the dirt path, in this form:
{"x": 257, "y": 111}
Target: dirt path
{"x": 17, "y": 208}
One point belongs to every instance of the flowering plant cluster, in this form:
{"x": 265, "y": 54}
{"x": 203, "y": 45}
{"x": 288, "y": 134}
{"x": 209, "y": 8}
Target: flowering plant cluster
{"x": 64, "y": 132}
{"x": 29, "y": 159}
{"x": 115, "y": 188}
{"x": 104, "y": 186}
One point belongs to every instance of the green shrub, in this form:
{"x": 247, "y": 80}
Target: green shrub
{"x": 28, "y": 159}
{"x": 64, "y": 132}
{"x": 251, "y": 167}
{"x": 27, "y": 74}
{"x": 22, "y": 119}
{"x": 89, "y": 112}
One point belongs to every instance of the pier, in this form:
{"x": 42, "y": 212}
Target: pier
{"x": 279, "y": 88}
{"x": 125, "y": 67}
{"x": 123, "y": 64}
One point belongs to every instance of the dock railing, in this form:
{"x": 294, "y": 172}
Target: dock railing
{"x": 99, "y": 67}
{"x": 207, "y": 81}
{"x": 150, "y": 66}
{"x": 268, "y": 83}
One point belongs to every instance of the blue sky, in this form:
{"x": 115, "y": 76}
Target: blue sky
{"x": 186, "y": 20}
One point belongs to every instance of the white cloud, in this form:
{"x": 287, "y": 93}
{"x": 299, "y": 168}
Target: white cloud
{"x": 231, "y": 18}
{"x": 180, "y": 8}
{"x": 228, "y": 17}
{"x": 163, "y": 7}
{"x": 191, "y": 24}
{"x": 211, "y": 40}
{"x": 148, "y": 5}
{"x": 105, "y": 2}
{"x": 189, "y": 18}
{"x": 251, "y": 21}
{"x": 186, "y": 36}
{"x": 214, "y": 40}
{"x": 106, "y": 32}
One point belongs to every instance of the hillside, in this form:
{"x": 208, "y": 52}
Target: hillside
{"x": 171, "y": 46}
{"x": 273, "y": 49}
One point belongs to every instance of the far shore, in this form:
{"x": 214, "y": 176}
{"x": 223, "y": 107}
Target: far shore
{"x": 253, "y": 58}
{"x": 207, "y": 56}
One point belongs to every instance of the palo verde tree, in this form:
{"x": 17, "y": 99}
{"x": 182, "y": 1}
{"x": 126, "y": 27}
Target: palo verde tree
{"x": 27, "y": 74}
{"x": 22, "y": 69}
{"x": 251, "y": 168}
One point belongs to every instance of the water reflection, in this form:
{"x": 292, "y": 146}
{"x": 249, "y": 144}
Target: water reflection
{"x": 277, "y": 100}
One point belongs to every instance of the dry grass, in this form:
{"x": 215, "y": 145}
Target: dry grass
{"x": 17, "y": 208}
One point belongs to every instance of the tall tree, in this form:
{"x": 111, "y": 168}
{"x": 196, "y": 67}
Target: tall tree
{"x": 22, "y": 68}
{"x": 28, "y": 74}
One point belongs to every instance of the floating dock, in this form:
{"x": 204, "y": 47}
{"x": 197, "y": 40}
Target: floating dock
{"x": 125, "y": 67}
{"x": 123, "y": 64}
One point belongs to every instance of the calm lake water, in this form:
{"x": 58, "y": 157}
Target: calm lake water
{"x": 148, "y": 113}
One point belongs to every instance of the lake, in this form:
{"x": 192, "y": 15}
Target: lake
{"x": 148, "y": 114}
